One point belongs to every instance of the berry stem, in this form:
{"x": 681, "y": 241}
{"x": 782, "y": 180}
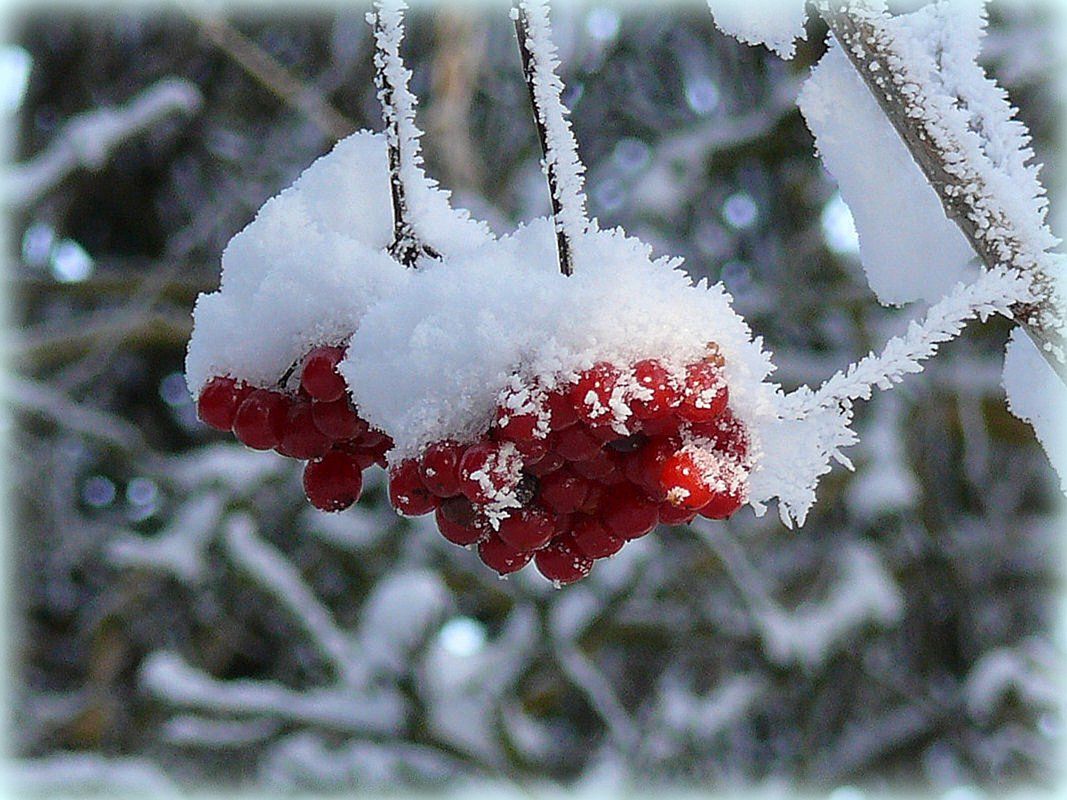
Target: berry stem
{"x": 402, "y": 137}
{"x": 561, "y": 164}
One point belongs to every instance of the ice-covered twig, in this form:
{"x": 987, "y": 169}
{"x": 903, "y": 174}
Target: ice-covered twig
{"x": 995, "y": 292}
{"x": 279, "y": 578}
{"x": 88, "y": 139}
{"x": 951, "y": 134}
{"x": 402, "y": 137}
{"x": 70, "y": 774}
{"x": 561, "y": 163}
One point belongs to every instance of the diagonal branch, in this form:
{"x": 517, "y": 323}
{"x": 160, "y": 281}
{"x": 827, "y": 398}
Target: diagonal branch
{"x": 402, "y": 137}
{"x": 935, "y": 130}
{"x": 562, "y": 166}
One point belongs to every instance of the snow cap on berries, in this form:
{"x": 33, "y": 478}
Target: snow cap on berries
{"x": 307, "y": 268}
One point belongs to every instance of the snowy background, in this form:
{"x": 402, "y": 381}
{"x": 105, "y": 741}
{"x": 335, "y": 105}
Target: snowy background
{"x": 184, "y": 618}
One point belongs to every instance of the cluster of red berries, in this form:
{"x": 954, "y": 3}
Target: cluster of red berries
{"x": 569, "y": 475}
{"x": 315, "y": 423}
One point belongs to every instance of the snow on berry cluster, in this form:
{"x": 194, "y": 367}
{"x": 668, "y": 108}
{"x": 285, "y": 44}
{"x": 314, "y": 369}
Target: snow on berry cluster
{"x": 569, "y": 475}
{"x": 552, "y": 418}
{"x": 296, "y": 282}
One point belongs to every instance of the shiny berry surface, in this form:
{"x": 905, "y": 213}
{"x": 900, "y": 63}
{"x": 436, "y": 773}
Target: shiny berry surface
{"x": 407, "y": 492}
{"x": 319, "y": 376}
{"x": 260, "y": 419}
{"x": 333, "y": 482}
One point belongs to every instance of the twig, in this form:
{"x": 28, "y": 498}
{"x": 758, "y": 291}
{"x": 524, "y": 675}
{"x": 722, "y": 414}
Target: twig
{"x": 282, "y": 83}
{"x": 401, "y": 135}
{"x": 561, "y": 164}
{"x": 88, "y": 139}
{"x": 936, "y": 132}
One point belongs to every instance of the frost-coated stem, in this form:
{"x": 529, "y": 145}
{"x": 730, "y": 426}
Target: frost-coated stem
{"x": 561, "y": 164}
{"x": 995, "y": 292}
{"x": 402, "y": 137}
{"x": 936, "y": 130}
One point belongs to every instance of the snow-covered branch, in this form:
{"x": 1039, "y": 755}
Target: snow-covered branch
{"x": 960, "y": 130}
{"x": 88, "y": 139}
{"x": 561, "y": 163}
{"x": 401, "y": 135}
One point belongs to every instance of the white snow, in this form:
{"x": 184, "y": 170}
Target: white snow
{"x": 774, "y": 23}
{"x": 1037, "y": 395}
{"x": 909, "y": 249}
{"x": 306, "y": 270}
{"x": 430, "y": 361}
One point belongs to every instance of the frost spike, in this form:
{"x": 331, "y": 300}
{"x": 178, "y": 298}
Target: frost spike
{"x": 561, "y": 164}
{"x": 401, "y": 135}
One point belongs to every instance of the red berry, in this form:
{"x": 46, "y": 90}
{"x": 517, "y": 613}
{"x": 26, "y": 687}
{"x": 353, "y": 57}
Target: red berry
{"x": 406, "y": 491}
{"x": 487, "y": 469}
{"x": 219, "y": 401}
{"x": 593, "y": 538}
{"x": 563, "y": 491}
{"x": 627, "y": 513}
{"x": 658, "y": 393}
{"x": 576, "y": 443}
{"x": 515, "y": 426}
{"x": 722, "y": 505}
{"x": 664, "y": 426}
{"x": 591, "y": 394}
{"x": 683, "y": 482}
{"x": 374, "y": 438}
{"x": 527, "y": 528}
{"x": 260, "y": 419}
{"x": 592, "y": 500}
{"x": 338, "y": 419}
{"x": 560, "y": 409}
{"x": 532, "y": 451}
{"x": 727, "y": 433}
{"x": 439, "y": 468}
{"x": 502, "y": 557}
{"x": 604, "y": 467}
{"x": 705, "y": 395}
{"x": 644, "y": 466}
{"x": 562, "y": 562}
{"x": 459, "y": 522}
{"x": 320, "y": 377}
{"x": 302, "y": 439}
{"x": 545, "y": 465}
{"x": 670, "y": 514}
{"x": 333, "y": 482}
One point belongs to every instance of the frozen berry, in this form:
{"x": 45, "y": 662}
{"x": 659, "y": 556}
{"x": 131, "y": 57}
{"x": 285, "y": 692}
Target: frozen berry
{"x": 593, "y": 538}
{"x": 591, "y": 395}
{"x": 406, "y": 491}
{"x": 670, "y": 514}
{"x": 219, "y": 401}
{"x": 496, "y": 554}
{"x": 439, "y": 468}
{"x": 627, "y": 513}
{"x": 488, "y": 469}
{"x": 302, "y": 439}
{"x": 546, "y": 465}
{"x": 260, "y": 419}
{"x": 656, "y": 394}
{"x": 459, "y": 521}
{"x": 560, "y": 409}
{"x": 722, "y": 505}
{"x": 563, "y": 491}
{"x": 726, "y": 433}
{"x": 604, "y": 467}
{"x": 562, "y": 562}
{"x": 338, "y": 419}
{"x": 644, "y": 467}
{"x": 532, "y": 451}
{"x": 515, "y": 426}
{"x": 527, "y": 528}
{"x": 333, "y": 482}
{"x": 705, "y": 395}
{"x": 683, "y": 482}
{"x": 319, "y": 377}
{"x": 576, "y": 443}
